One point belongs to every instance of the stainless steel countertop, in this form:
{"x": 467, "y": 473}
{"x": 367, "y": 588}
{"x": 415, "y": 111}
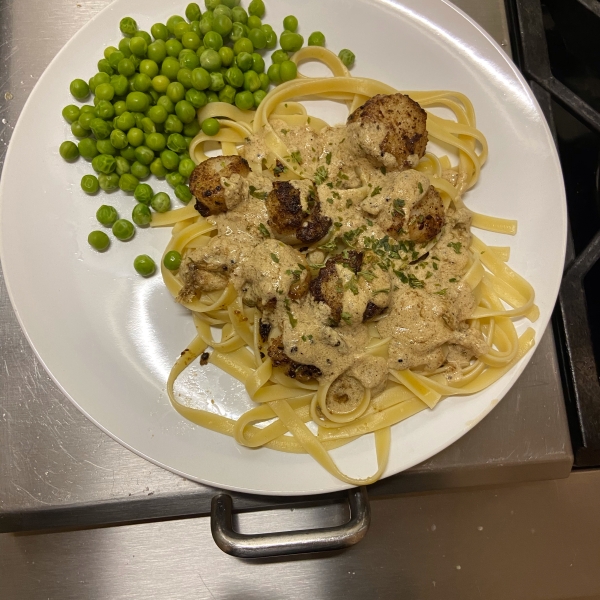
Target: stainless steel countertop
{"x": 58, "y": 469}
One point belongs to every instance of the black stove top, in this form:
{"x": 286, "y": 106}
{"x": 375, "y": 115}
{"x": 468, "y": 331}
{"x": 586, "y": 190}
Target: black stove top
{"x": 556, "y": 44}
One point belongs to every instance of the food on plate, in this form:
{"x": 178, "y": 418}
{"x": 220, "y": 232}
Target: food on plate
{"x": 339, "y": 264}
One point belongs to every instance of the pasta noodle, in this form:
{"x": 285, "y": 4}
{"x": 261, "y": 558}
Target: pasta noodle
{"x": 287, "y": 410}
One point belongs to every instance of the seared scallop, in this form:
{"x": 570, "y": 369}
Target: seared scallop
{"x": 390, "y": 130}
{"x": 426, "y": 217}
{"x": 205, "y": 182}
{"x": 292, "y": 220}
{"x": 198, "y": 279}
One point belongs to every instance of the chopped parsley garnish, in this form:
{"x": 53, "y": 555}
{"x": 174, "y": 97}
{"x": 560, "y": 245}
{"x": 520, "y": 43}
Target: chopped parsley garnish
{"x": 321, "y": 175}
{"x": 330, "y": 200}
{"x": 381, "y": 291}
{"x": 342, "y": 175}
{"x": 383, "y": 170}
{"x": 328, "y": 158}
{"x": 301, "y": 267}
{"x": 264, "y": 231}
{"x": 366, "y": 275}
{"x": 429, "y": 274}
{"x": 330, "y": 185}
{"x": 279, "y": 169}
{"x": 293, "y": 320}
{"x": 255, "y": 194}
{"x": 456, "y": 246}
{"x": 346, "y": 316}
{"x": 369, "y": 223}
{"x": 330, "y": 246}
{"x": 453, "y": 280}
{"x": 376, "y": 192}
{"x": 351, "y": 285}
{"x": 414, "y": 282}
{"x": 349, "y": 204}
{"x": 285, "y": 131}
{"x": 399, "y": 206}
{"x": 435, "y": 266}
{"x": 296, "y": 157}
{"x": 337, "y": 224}
{"x": 441, "y": 292}
{"x": 335, "y": 195}
{"x": 274, "y": 257}
{"x": 420, "y": 187}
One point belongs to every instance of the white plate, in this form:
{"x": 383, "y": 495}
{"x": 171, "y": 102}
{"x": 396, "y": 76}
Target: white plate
{"x": 108, "y": 337}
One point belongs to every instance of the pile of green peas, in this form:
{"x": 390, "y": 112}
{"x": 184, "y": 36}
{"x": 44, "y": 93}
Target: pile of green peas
{"x": 146, "y": 95}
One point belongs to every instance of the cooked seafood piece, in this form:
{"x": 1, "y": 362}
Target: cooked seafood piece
{"x": 427, "y": 217}
{"x": 390, "y": 130}
{"x": 276, "y": 352}
{"x": 205, "y": 182}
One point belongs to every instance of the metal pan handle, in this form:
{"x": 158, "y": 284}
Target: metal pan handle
{"x": 289, "y": 542}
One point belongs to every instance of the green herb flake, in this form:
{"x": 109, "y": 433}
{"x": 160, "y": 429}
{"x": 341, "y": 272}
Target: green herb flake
{"x": 456, "y": 246}
{"x": 420, "y": 187}
{"x": 328, "y": 158}
{"x": 255, "y": 194}
{"x": 285, "y": 131}
{"x": 330, "y": 200}
{"x": 376, "y": 192}
{"x": 264, "y": 231}
{"x": 369, "y": 223}
{"x": 366, "y": 275}
{"x": 383, "y": 170}
{"x": 296, "y": 157}
{"x": 435, "y": 266}
{"x": 349, "y": 204}
{"x": 337, "y": 224}
{"x": 453, "y": 280}
{"x": 441, "y": 292}
{"x": 346, "y": 316}
{"x": 321, "y": 175}
{"x": 352, "y": 285}
{"x": 274, "y": 257}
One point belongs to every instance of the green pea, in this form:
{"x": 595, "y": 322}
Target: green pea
{"x": 172, "y": 260}
{"x": 87, "y": 149}
{"x": 258, "y": 38}
{"x": 193, "y": 12}
{"x": 235, "y": 77}
{"x": 210, "y": 60}
{"x": 244, "y": 61}
{"x": 212, "y": 96}
{"x": 169, "y": 159}
{"x": 258, "y": 63}
{"x": 251, "y": 81}
{"x": 106, "y": 215}
{"x": 144, "y": 35}
{"x": 118, "y": 139}
{"x": 141, "y": 82}
{"x": 105, "y": 147}
{"x": 271, "y": 40}
{"x": 128, "y": 182}
{"x": 185, "y": 111}
{"x": 116, "y": 57}
{"x": 222, "y": 10}
{"x": 85, "y": 120}
{"x": 222, "y": 26}
{"x": 211, "y": 126}
{"x": 156, "y": 142}
{"x": 160, "y": 83}
{"x": 191, "y": 129}
{"x": 122, "y": 165}
{"x": 161, "y": 202}
{"x": 170, "y": 67}
{"x": 257, "y": 7}
{"x": 195, "y": 98}
{"x": 227, "y": 56}
{"x": 254, "y": 22}
{"x": 291, "y": 42}
{"x": 120, "y": 85}
{"x": 188, "y": 59}
{"x": 217, "y": 83}
{"x": 290, "y": 23}
{"x": 195, "y": 27}
{"x": 139, "y": 170}
{"x": 100, "y": 128}
{"x": 109, "y": 182}
{"x": 157, "y": 168}
{"x": 176, "y": 143}
{"x": 279, "y": 56}
{"x": 227, "y": 94}
{"x": 70, "y": 113}
{"x": 128, "y": 153}
{"x": 79, "y": 89}
{"x": 288, "y": 70}
{"x": 186, "y": 166}
{"x": 126, "y": 67}
{"x": 159, "y": 31}
{"x": 120, "y": 107}
{"x": 174, "y": 179}
{"x": 128, "y": 26}
{"x": 180, "y": 29}
{"x": 265, "y": 82}
{"x": 144, "y": 155}
{"x": 173, "y": 124}
{"x": 157, "y": 52}
{"x": 135, "y": 137}
{"x": 184, "y": 77}
{"x": 138, "y": 46}
{"x": 244, "y": 100}
{"x": 259, "y": 96}
{"x": 78, "y": 131}
{"x": 173, "y": 48}
{"x": 316, "y": 39}
{"x": 182, "y": 192}
{"x": 239, "y": 15}
{"x": 125, "y": 121}
{"x": 191, "y": 40}
{"x": 211, "y": 4}
{"x": 108, "y": 51}
{"x": 143, "y": 193}
{"x": 105, "y": 110}
{"x": 175, "y": 92}
{"x": 69, "y": 151}
{"x": 274, "y": 73}
{"x": 122, "y": 228}
{"x": 137, "y": 102}
{"x": 89, "y": 184}
{"x": 104, "y": 163}
{"x": 167, "y": 104}
{"x": 104, "y": 66}
{"x": 347, "y": 57}
{"x": 237, "y": 32}
{"x": 205, "y": 24}
{"x": 98, "y": 240}
{"x": 243, "y": 45}
{"x": 200, "y": 79}
{"x": 141, "y": 214}
{"x": 172, "y": 21}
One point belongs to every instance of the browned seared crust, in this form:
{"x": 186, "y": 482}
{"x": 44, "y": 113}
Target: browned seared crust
{"x": 404, "y": 121}
{"x": 316, "y": 226}
{"x": 197, "y": 280}
{"x": 327, "y": 287}
{"x": 264, "y": 329}
{"x": 396, "y": 228}
{"x": 426, "y": 217}
{"x": 284, "y": 208}
{"x": 299, "y": 288}
{"x": 296, "y": 370}
{"x": 205, "y": 182}
{"x": 372, "y": 310}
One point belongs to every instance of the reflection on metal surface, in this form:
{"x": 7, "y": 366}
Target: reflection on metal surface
{"x": 262, "y": 545}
